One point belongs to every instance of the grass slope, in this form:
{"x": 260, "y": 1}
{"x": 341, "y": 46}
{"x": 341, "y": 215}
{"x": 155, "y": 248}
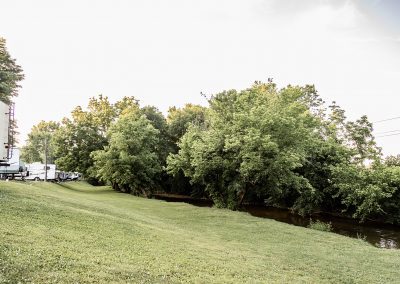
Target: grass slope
{"x": 78, "y": 233}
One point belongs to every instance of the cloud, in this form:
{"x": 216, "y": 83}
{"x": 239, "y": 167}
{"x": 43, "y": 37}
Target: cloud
{"x": 385, "y": 14}
{"x": 289, "y": 8}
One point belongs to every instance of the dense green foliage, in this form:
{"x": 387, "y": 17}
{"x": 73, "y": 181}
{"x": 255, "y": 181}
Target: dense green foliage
{"x": 158, "y": 121}
{"x": 130, "y": 161}
{"x": 280, "y": 147}
{"x": 178, "y": 122}
{"x": 285, "y": 148}
{"x": 251, "y": 144}
{"x": 393, "y": 160}
{"x": 179, "y": 119}
{"x": 10, "y": 74}
{"x": 320, "y": 226}
{"x": 86, "y": 132}
{"x": 370, "y": 192}
{"x": 40, "y": 143}
{"x": 76, "y": 233}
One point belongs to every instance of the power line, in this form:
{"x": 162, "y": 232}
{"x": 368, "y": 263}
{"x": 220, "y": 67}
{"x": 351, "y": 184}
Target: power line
{"x": 388, "y": 131}
{"x": 383, "y": 120}
{"x": 388, "y": 135}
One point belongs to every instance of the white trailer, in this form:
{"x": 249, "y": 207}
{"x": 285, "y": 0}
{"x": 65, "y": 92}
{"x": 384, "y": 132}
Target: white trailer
{"x": 14, "y": 167}
{"x": 4, "y": 131}
{"x": 37, "y": 171}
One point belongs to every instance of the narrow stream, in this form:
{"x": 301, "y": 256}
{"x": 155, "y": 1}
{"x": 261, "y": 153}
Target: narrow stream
{"x": 383, "y": 236}
{"x": 380, "y": 235}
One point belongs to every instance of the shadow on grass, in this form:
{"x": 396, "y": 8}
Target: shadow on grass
{"x": 77, "y": 186}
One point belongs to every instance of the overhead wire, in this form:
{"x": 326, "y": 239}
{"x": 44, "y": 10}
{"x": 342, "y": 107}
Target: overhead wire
{"x": 388, "y": 135}
{"x": 384, "y": 132}
{"x": 388, "y": 119}
{"x": 393, "y": 132}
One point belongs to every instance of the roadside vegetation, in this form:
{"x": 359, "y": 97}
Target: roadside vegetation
{"x": 77, "y": 233}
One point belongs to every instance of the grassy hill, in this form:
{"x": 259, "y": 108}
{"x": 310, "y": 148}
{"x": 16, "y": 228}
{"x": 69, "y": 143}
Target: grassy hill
{"x": 74, "y": 232}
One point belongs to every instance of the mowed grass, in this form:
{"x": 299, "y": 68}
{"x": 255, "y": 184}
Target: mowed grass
{"x": 76, "y": 233}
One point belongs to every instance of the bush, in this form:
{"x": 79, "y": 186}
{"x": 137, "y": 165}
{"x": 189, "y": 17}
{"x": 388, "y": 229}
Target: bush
{"x": 320, "y": 226}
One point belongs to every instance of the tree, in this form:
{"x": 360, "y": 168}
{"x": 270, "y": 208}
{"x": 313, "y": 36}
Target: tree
{"x": 252, "y": 144}
{"x": 100, "y": 112}
{"x": 393, "y": 161}
{"x": 362, "y": 141}
{"x": 10, "y": 74}
{"x": 159, "y": 122}
{"x": 130, "y": 162}
{"x": 370, "y": 193}
{"x": 74, "y": 142}
{"x": 86, "y": 132}
{"x": 179, "y": 119}
{"x": 40, "y": 145}
{"x": 125, "y": 104}
{"x": 324, "y": 156}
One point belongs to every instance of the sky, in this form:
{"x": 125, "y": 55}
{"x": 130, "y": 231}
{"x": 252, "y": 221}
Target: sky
{"x": 165, "y": 53}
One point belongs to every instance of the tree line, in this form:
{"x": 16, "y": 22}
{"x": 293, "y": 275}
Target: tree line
{"x": 280, "y": 147}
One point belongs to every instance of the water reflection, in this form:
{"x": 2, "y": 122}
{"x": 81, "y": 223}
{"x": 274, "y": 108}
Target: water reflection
{"x": 383, "y": 236}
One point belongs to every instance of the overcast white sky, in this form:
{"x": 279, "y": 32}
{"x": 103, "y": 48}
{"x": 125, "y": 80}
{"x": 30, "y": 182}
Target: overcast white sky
{"x": 166, "y": 52}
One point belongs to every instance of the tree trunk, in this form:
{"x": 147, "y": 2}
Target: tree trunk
{"x": 242, "y": 195}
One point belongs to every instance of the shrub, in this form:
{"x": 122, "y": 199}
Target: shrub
{"x": 320, "y": 226}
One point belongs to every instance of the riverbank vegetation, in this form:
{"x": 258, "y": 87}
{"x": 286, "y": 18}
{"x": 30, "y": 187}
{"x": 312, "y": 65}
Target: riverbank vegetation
{"x": 281, "y": 147}
{"x": 77, "y": 233}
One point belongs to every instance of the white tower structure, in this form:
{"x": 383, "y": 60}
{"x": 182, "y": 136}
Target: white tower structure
{"x": 5, "y": 133}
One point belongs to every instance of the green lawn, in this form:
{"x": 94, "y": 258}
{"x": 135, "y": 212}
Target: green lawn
{"x": 78, "y": 233}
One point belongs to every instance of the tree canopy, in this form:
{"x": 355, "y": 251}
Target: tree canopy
{"x": 251, "y": 144}
{"x": 40, "y": 143}
{"x": 86, "y": 131}
{"x": 130, "y": 162}
{"x": 10, "y": 74}
{"x": 279, "y": 147}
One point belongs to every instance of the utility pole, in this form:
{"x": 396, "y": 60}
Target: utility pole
{"x": 45, "y": 158}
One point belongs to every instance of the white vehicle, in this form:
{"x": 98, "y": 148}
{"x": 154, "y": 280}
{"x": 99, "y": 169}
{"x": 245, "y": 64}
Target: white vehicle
{"x": 37, "y": 171}
{"x": 61, "y": 176}
{"x": 74, "y": 176}
{"x": 14, "y": 167}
